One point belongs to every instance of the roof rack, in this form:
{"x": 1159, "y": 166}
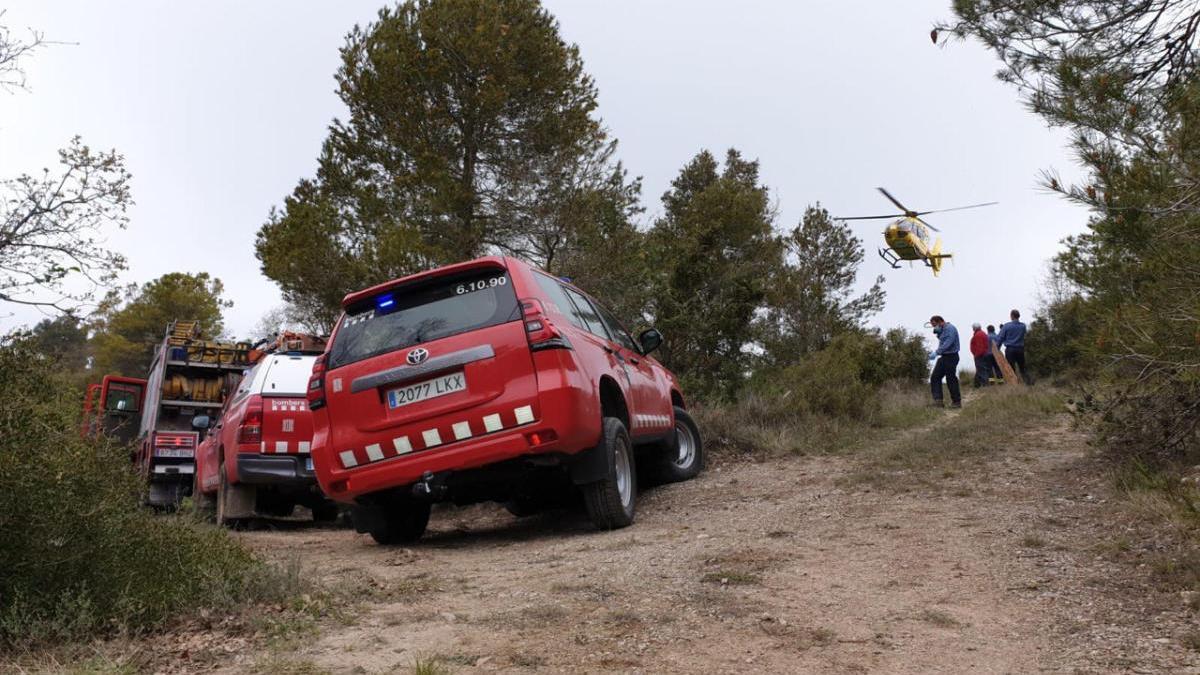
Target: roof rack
{"x": 288, "y": 342}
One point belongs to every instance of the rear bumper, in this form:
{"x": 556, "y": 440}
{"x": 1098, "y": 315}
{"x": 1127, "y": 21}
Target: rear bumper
{"x": 400, "y": 471}
{"x": 274, "y": 470}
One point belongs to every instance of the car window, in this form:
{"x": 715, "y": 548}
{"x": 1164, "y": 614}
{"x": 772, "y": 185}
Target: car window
{"x": 614, "y": 327}
{"x": 245, "y": 384}
{"x": 430, "y": 310}
{"x": 122, "y": 397}
{"x": 593, "y": 323}
{"x": 287, "y": 376}
{"x": 556, "y": 296}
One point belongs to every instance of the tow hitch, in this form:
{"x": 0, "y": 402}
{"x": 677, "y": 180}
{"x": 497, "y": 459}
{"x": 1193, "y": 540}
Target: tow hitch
{"x": 431, "y": 487}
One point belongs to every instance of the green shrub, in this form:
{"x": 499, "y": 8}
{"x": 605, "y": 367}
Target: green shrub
{"x": 80, "y": 556}
{"x": 843, "y": 379}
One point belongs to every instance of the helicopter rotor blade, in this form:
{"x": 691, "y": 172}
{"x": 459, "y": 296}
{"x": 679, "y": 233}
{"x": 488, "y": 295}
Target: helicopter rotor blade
{"x": 922, "y": 221}
{"x": 957, "y": 208}
{"x": 898, "y": 215}
{"x": 895, "y": 201}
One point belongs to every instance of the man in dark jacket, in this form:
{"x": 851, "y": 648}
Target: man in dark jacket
{"x": 1012, "y": 336}
{"x": 980, "y": 349}
{"x": 947, "y": 362}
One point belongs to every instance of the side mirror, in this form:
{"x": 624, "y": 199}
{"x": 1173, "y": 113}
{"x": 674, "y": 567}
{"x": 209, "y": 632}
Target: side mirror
{"x": 650, "y": 339}
{"x": 201, "y": 422}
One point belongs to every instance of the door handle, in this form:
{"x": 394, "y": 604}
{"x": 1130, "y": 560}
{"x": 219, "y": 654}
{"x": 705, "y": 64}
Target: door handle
{"x": 634, "y": 361}
{"x": 610, "y": 350}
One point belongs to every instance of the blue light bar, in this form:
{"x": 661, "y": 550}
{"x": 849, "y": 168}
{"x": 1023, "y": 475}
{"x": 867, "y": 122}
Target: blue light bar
{"x": 384, "y": 301}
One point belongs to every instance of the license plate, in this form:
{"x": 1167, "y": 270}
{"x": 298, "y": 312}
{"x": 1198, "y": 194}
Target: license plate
{"x": 308, "y": 464}
{"x": 423, "y": 391}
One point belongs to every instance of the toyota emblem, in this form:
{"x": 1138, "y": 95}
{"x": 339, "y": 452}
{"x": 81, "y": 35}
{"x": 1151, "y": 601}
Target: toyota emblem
{"x": 417, "y": 355}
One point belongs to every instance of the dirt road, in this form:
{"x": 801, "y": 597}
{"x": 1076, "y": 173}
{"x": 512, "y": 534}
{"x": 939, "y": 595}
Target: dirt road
{"x": 780, "y": 566}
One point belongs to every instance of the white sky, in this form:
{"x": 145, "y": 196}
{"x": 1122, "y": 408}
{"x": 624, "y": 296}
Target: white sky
{"x": 220, "y": 107}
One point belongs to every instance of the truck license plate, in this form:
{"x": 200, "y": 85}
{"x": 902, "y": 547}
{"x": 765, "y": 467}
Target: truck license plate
{"x": 422, "y": 391}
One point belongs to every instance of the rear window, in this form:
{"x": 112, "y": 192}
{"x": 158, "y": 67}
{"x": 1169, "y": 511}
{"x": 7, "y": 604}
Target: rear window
{"x": 287, "y": 376}
{"x": 436, "y": 309}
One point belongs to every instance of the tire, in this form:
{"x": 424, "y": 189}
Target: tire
{"x": 404, "y": 522}
{"x": 205, "y": 505}
{"x": 682, "y": 456}
{"x": 523, "y": 507}
{"x": 325, "y": 512}
{"x": 612, "y": 500}
{"x": 276, "y": 508}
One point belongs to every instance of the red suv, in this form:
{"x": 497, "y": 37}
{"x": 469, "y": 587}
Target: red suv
{"x": 490, "y": 380}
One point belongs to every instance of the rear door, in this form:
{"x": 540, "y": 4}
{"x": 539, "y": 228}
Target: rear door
{"x": 433, "y": 362}
{"x": 287, "y": 427}
{"x": 652, "y": 402}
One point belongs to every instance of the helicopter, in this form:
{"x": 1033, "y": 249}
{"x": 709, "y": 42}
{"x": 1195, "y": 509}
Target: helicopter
{"x": 908, "y": 236}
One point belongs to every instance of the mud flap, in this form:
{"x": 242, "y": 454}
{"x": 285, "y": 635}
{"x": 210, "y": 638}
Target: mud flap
{"x": 240, "y": 501}
{"x": 591, "y": 465}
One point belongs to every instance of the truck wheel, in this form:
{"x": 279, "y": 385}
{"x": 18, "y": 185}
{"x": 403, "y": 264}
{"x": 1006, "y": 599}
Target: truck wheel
{"x": 612, "y": 500}
{"x": 523, "y": 507}
{"x": 682, "y": 456}
{"x": 325, "y": 512}
{"x": 404, "y": 522}
{"x": 206, "y": 505}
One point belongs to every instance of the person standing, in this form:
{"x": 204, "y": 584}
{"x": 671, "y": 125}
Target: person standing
{"x": 993, "y": 347}
{"x": 979, "y": 350}
{"x": 1012, "y": 336}
{"x": 947, "y": 362}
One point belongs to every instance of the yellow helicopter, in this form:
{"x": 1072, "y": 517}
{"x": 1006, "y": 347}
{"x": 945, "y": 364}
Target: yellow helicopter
{"x": 908, "y": 237}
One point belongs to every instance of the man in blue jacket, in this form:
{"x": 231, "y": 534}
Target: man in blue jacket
{"x": 1012, "y": 338}
{"x": 947, "y": 362}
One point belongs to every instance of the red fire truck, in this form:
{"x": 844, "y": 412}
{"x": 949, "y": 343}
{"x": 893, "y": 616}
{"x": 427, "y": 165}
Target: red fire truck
{"x": 188, "y": 379}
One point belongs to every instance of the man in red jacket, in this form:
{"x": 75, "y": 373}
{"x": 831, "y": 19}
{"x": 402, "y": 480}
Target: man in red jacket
{"x": 979, "y": 349}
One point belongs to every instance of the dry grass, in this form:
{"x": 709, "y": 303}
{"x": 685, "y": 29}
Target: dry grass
{"x": 932, "y": 457}
{"x": 761, "y": 427}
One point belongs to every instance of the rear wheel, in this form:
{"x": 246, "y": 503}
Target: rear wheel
{"x": 612, "y": 500}
{"x": 325, "y": 512}
{"x": 205, "y": 505}
{"x": 404, "y": 521}
{"x": 681, "y": 457}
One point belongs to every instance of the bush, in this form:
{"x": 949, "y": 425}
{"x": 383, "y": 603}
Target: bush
{"x": 1058, "y": 340}
{"x": 80, "y": 556}
{"x": 843, "y": 379}
{"x": 824, "y": 402}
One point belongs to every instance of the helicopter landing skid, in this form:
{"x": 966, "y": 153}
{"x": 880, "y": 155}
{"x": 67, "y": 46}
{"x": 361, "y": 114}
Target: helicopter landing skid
{"x": 890, "y": 258}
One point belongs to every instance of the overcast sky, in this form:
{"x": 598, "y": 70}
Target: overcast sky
{"x": 220, "y": 107}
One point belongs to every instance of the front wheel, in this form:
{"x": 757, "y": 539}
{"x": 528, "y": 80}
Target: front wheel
{"x": 611, "y": 501}
{"x": 681, "y": 457}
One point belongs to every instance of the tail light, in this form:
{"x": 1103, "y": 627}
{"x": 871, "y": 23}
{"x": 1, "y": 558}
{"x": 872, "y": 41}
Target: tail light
{"x": 540, "y": 331}
{"x": 250, "y": 430}
{"x": 316, "y": 385}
